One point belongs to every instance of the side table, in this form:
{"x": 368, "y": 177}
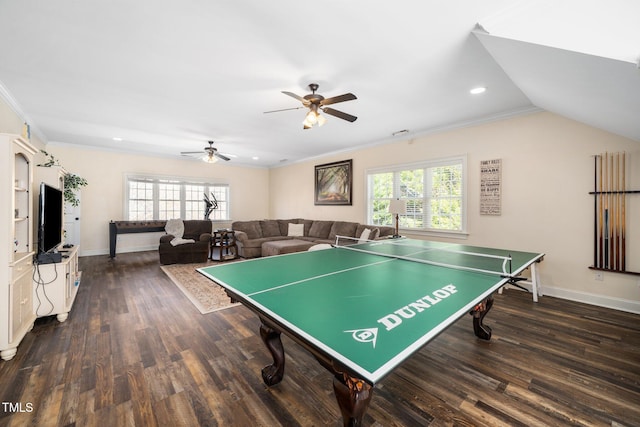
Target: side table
{"x": 224, "y": 243}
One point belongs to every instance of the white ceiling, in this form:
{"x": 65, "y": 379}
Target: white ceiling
{"x": 166, "y": 76}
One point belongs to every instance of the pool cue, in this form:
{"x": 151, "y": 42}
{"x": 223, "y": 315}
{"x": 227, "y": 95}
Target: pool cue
{"x": 618, "y": 208}
{"x": 612, "y": 240}
{"x": 606, "y": 210}
{"x": 617, "y": 213}
{"x": 624, "y": 218}
{"x": 595, "y": 211}
{"x": 600, "y": 219}
{"x": 612, "y": 213}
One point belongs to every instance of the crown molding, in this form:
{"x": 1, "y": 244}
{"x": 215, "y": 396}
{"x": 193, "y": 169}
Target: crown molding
{"x": 17, "y": 109}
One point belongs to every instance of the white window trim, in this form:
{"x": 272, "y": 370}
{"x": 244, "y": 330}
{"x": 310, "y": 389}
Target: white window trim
{"x": 427, "y": 232}
{"x": 182, "y": 180}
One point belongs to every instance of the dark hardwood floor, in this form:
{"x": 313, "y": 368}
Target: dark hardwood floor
{"x": 135, "y": 352}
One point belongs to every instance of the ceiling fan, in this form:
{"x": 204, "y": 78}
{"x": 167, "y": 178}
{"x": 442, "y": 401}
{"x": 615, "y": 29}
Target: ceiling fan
{"x": 316, "y": 103}
{"x": 211, "y": 154}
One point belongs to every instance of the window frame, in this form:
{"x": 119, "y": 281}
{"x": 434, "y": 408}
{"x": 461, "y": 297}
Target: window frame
{"x": 156, "y": 180}
{"x": 426, "y": 197}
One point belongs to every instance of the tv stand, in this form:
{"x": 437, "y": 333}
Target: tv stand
{"x": 48, "y": 258}
{"x": 56, "y": 284}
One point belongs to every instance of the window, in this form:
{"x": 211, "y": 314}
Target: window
{"x": 161, "y": 198}
{"x": 433, "y": 191}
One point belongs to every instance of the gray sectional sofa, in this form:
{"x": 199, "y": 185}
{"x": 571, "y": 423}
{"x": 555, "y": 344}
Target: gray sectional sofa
{"x": 254, "y": 237}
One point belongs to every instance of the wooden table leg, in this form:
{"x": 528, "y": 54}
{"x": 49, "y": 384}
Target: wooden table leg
{"x": 272, "y": 374}
{"x": 353, "y": 396}
{"x": 479, "y": 311}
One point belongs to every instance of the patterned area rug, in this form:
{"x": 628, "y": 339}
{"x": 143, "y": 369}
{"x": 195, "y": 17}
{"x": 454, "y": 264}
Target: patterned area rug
{"x": 202, "y": 292}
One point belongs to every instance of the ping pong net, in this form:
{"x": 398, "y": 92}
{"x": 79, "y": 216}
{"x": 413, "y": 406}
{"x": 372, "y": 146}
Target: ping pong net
{"x": 432, "y": 253}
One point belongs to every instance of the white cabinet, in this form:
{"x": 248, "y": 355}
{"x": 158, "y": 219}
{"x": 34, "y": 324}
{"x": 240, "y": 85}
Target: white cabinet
{"x": 56, "y": 285}
{"x": 16, "y": 239}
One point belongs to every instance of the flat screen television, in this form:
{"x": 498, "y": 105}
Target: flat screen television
{"x": 50, "y": 218}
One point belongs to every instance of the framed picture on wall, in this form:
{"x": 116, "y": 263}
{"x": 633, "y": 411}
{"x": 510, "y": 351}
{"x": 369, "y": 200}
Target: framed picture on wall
{"x": 333, "y": 182}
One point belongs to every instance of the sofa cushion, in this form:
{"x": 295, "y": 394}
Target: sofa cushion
{"x": 279, "y": 247}
{"x": 320, "y": 229}
{"x": 284, "y": 225}
{"x": 270, "y": 228}
{"x": 375, "y": 233}
{"x": 387, "y": 231}
{"x": 341, "y": 228}
{"x": 307, "y": 225}
{"x": 295, "y": 230}
{"x": 382, "y": 231}
{"x": 194, "y": 228}
{"x": 251, "y": 228}
{"x": 369, "y": 234}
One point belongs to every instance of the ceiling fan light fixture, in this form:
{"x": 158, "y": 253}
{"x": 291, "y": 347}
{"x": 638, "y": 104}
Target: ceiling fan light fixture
{"x": 210, "y": 158}
{"x": 306, "y": 124}
{"x": 312, "y": 118}
{"x": 321, "y": 120}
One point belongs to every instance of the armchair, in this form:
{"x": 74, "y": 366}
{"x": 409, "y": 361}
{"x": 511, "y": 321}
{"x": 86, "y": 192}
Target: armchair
{"x": 196, "y": 252}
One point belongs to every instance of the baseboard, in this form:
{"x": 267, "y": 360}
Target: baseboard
{"x": 594, "y": 299}
{"x": 586, "y": 298}
{"x": 120, "y": 251}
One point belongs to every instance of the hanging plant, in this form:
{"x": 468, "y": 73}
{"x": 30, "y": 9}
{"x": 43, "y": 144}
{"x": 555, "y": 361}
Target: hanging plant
{"x": 72, "y": 183}
{"x": 51, "y": 161}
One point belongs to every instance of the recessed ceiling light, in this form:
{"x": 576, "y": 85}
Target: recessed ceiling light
{"x": 256, "y": 158}
{"x": 478, "y": 90}
{"x": 117, "y": 138}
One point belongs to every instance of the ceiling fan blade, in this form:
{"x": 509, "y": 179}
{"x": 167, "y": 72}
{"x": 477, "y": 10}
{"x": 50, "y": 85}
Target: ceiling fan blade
{"x": 186, "y": 153}
{"x": 340, "y": 114}
{"x": 283, "y": 109}
{"x": 298, "y": 97}
{"x": 339, "y": 98}
{"x": 220, "y": 156}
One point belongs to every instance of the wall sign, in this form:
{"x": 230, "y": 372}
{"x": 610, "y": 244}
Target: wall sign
{"x": 491, "y": 187}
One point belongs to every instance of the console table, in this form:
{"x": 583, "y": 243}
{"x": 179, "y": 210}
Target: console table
{"x": 126, "y": 227}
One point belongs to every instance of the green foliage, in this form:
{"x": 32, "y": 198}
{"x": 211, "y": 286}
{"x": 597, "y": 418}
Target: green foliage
{"x": 433, "y": 195}
{"x": 72, "y": 183}
{"x": 51, "y": 161}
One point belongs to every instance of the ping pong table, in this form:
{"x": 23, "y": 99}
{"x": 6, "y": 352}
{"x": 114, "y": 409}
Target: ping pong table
{"x": 362, "y": 309}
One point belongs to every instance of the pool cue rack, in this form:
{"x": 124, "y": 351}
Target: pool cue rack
{"x": 610, "y": 213}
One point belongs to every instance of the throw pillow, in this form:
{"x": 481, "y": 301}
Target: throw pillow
{"x": 296, "y": 230}
{"x": 364, "y": 236}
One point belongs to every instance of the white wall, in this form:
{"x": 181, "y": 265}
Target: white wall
{"x": 103, "y": 197}
{"x": 547, "y": 176}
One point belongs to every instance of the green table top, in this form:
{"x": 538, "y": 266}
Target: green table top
{"x": 368, "y": 311}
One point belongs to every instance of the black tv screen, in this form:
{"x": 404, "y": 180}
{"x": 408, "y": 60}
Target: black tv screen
{"x": 50, "y": 218}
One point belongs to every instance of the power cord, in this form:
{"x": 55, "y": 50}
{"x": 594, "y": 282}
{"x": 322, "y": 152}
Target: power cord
{"x": 40, "y": 283}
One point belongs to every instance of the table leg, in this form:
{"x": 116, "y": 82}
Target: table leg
{"x": 113, "y": 236}
{"x": 272, "y": 374}
{"x": 479, "y": 311}
{"x": 353, "y": 396}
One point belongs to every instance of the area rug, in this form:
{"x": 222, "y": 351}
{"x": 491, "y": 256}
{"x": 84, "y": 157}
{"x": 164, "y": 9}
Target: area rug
{"x": 202, "y": 292}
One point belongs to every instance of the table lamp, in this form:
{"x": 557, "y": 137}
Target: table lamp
{"x": 397, "y": 207}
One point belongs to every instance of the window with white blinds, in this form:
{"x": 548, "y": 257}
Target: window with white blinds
{"x": 162, "y": 198}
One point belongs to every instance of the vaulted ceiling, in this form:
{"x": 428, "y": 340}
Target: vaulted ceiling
{"x": 166, "y": 76}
